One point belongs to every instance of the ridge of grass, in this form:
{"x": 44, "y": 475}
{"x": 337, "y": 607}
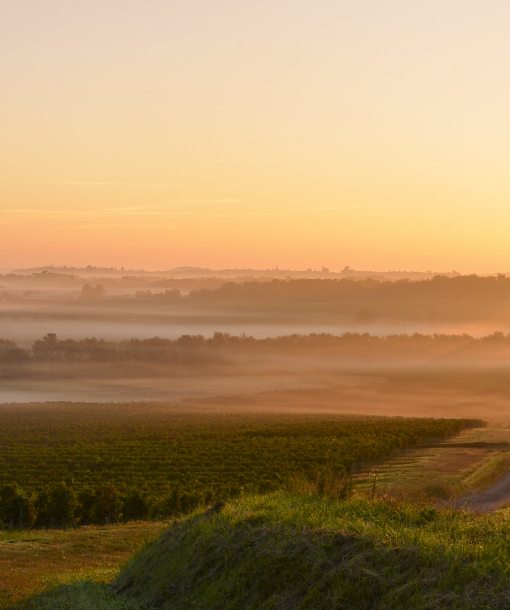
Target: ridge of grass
{"x": 286, "y": 551}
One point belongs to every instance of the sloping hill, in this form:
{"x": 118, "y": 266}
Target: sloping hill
{"x": 285, "y": 552}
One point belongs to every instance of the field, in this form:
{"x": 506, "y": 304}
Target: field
{"x": 415, "y": 384}
{"x": 110, "y": 463}
{"x": 44, "y": 560}
{"x": 94, "y": 479}
{"x": 32, "y": 561}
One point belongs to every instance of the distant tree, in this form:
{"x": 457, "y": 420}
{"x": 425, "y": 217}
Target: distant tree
{"x": 87, "y": 291}
{"x": 365, "y": 316}
{"x": 50, "y": 339}
{"x": 17, "y": 356}
{"x": 93, "y": 292}
{"x": 190, "y": 341}
{"x": 45, "y": 349}
{"x": 169, "y": 295}
{"x": 219, "y": 339}
{"x": 5, "y": 347}
{"x": 143, "y": 294}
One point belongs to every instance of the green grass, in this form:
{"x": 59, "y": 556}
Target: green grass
{"x": 35, "y": 561}
{"x": 287, "y": 551}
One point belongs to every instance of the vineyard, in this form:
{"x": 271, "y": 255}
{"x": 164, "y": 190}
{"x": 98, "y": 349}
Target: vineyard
{"x": 71, "y": 464}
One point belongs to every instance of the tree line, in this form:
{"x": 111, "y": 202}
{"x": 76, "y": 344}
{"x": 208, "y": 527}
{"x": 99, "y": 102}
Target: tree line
{"x": 189, "y": 349}
{"x": 370, "y": 289}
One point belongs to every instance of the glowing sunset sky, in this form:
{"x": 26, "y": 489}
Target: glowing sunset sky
{"x": 255, "y": 133}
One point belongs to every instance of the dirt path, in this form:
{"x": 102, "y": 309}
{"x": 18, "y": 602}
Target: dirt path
{"x": 490, "y": 499}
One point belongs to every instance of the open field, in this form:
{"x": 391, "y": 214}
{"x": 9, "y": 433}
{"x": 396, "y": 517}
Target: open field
{"x": 37, "y": 560}
{"x": 322, "y": 385}
{"x": 256, "y": 389}
{"x": 33, "y": 561}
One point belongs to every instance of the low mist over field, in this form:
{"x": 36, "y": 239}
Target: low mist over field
{"x": 67, "y": 335}
{"x": 143, "y": 306}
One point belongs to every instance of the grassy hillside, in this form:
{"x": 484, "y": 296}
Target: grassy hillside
{"x": 286, "y": 551}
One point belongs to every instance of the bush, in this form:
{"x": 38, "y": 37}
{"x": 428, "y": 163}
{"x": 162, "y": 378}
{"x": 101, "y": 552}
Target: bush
{"x": 56, "y": 502}
{"x": 16, "y": 508}
{"x": 17, "y": 356}
{"x": 135, "y": 507}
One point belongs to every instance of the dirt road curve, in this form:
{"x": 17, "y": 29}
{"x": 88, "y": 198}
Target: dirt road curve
{"x": 491, "y": 499}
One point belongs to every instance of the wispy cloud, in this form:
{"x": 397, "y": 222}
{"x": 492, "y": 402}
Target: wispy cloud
{"x": 116, "y": 225}
{"x": 233, "y": 161}
{"x": 165, "y": 211}
{"x": 159, "y": 209}
{"x": 137, "y": 184}
{"x": 331, "y": 209}
{"x": 235, "y": 214}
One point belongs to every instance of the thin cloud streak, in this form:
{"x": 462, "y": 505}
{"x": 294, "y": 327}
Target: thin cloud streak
{"x": 137, "y": 184}
{"x": 343, "y": 207}
{"x": 151, "y": 211}
{"x": 117, "y": 225}
{"x": 147, "y": 209}
{"x": 198, "y": 215}
{"x": 232, "y": 161}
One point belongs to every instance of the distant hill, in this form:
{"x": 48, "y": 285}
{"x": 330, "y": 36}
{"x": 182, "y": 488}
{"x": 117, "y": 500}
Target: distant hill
{"x": 203, "y": 272}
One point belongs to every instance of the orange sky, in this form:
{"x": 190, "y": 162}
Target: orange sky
{"x": 253, "y": 134}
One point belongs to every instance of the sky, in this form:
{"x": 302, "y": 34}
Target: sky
{"x": 245, "y": 134}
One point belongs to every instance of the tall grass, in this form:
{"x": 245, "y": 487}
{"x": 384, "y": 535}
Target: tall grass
{"x": 271, "y": 551}
{"x": 300, "y": 550}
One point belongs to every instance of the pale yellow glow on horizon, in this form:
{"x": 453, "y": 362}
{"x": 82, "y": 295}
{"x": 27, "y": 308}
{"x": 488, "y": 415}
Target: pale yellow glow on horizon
{"x": 235, "y": 134}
